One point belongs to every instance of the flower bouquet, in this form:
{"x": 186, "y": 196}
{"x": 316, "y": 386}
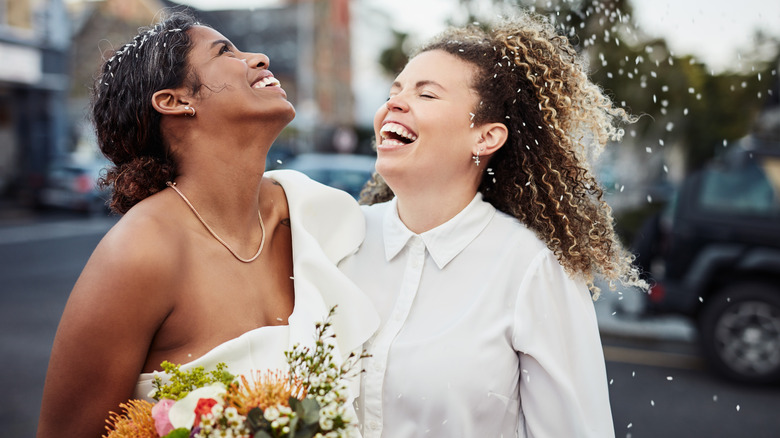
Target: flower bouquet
{"x": 308, "y": 401}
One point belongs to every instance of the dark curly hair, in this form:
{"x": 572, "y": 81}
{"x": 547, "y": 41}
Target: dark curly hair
{"x": 532, "y": 80}
{"x": 127, "y": 126}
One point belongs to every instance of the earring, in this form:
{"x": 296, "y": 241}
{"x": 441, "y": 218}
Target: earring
{"x": 189, "y": 108}
{"x": 476, "y": 157}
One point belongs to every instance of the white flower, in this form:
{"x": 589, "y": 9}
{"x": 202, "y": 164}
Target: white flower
{"x": 326, "y": 423}
{"x": 271, "y": 413}
{"x": 182, "y": 413}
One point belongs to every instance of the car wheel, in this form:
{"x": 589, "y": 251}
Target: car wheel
{"x": 740, "y": 332}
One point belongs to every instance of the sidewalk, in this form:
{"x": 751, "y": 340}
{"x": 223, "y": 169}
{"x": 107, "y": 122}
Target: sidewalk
{"x": 20, "y": 224}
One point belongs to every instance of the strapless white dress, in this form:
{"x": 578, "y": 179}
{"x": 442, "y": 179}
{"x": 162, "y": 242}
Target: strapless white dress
{"x": 327, "y": 225}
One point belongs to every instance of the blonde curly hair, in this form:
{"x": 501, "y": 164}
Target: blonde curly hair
{"x": 532, "y": 80}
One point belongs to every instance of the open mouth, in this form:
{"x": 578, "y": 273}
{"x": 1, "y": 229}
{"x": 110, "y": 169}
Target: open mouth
{"x": 268, "y": 81}
{"x": 395, "y": 134}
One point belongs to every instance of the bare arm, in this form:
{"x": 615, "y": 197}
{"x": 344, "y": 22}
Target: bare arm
{"x": 112, "y": 315}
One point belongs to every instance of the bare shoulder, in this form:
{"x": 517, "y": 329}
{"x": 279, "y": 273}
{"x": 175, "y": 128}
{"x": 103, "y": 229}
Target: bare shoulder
{"x": 138, "y": 255}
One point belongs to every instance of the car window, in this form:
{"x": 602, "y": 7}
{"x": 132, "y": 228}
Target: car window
{"x": 752, "y": 189}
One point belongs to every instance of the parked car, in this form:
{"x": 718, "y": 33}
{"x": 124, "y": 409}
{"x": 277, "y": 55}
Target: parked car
{"x": 716, "y": 257}
{"x": 348, "y": 172}
{"x": 72, "y": 185}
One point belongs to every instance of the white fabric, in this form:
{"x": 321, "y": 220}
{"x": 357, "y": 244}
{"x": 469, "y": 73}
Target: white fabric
{"x": 327, "y": 225}
{"x": 482, "y": 333}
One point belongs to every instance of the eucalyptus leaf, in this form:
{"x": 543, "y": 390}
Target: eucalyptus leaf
{"x": 293, "y": 425}
{"x": 256, "y": 420}
{"x": 178, "y": 433}
{"x": 311, "y": 411}
{"x": 262, "y": 434}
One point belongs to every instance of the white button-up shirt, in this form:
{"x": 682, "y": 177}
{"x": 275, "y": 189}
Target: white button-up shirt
{"x": 483, "y": 334}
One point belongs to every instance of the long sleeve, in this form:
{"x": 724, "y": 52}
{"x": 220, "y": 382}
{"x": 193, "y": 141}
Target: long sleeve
{"x": 563, "y": 387}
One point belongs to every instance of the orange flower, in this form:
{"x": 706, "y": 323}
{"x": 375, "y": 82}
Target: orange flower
{"x": 269, "y": 388}
{"x": 135, "y": 421}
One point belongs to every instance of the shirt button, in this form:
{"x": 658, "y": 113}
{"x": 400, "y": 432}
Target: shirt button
{"x": 374, "y": 425}
{"x": 378, "y": 366}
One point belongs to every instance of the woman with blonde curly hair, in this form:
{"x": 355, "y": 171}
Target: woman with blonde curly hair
{"x": 480, "y": 261}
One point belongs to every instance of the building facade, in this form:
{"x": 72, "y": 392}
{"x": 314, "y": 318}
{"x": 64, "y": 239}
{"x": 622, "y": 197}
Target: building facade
{"x": 34, "y": 43}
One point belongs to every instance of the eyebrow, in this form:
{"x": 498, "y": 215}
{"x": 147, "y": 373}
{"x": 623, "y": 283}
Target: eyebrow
{"x": 419, "y": 84}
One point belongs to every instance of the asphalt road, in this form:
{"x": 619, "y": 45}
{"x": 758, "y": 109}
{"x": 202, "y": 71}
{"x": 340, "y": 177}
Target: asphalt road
{"x": 659, "y": 386}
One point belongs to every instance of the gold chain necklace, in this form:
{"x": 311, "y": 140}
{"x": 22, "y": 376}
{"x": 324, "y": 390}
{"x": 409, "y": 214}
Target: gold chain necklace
{"x": 219, "y": 239}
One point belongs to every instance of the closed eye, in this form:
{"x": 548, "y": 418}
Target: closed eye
{"x": 225, "y": 49}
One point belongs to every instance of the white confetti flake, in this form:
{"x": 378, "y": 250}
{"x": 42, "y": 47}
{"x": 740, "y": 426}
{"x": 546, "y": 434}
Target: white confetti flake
{"x": 652, "y": 403}
{"x": 737, "y": 408}
{"x": 669, "y": 378}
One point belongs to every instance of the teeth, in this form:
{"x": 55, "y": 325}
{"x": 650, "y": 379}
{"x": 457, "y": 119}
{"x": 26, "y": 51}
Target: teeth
{"x": 268, "y": 81}
{"x": 398, "y": 129}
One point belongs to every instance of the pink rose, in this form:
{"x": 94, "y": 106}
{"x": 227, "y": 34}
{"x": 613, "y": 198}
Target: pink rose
{"x": 160, "y": 414}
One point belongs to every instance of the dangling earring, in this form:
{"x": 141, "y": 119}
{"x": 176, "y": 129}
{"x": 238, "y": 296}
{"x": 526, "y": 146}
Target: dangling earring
{"x": 476, "y": 157}
{"x": 189, "y": 108}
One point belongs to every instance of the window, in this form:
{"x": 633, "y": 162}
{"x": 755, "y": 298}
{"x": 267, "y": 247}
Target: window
{"x": 752, "y": 189}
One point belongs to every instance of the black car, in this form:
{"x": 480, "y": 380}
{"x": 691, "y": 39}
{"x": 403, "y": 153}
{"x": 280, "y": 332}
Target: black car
{"x": 714, "y": 255}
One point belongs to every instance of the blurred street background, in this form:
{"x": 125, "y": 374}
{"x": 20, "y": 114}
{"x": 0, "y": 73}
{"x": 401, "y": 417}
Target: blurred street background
{"x": 694, "y": 185}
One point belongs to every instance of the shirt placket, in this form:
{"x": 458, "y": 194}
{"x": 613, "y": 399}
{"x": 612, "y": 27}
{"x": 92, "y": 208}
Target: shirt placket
{"x": 380, "y": 348}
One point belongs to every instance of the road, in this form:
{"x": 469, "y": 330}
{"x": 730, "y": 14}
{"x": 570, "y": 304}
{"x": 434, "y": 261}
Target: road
{"x": 658, "y": 384}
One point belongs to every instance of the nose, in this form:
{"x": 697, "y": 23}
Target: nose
{"x": 258, "y": 60}
{"x": 396, "y": 103}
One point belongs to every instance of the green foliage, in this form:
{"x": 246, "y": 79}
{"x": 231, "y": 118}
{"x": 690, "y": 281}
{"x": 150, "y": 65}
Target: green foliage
{"x": 394, "y": 58}
{"x": 178, "y": 433}
{"x": 182, "y": 382}
{"x": 306, "y": 423}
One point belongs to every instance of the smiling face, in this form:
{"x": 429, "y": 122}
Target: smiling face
{"x": 424, "y": 132}
{"x": 235, "y": 85}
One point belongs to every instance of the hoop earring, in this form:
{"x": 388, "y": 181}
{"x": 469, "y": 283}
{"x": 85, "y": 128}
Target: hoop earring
{"x": 189, "y": 108}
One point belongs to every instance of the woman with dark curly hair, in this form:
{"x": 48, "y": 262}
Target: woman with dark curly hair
{"x": 213, "y": 260}
{"x": 480, "y": 264}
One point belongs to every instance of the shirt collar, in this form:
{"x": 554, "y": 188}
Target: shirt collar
{"x": 445, "y": 241}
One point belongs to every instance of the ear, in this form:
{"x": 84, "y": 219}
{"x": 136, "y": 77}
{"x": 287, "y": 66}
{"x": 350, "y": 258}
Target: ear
{"x": 171, "y": 102}
{"x": 492, "y": 137}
